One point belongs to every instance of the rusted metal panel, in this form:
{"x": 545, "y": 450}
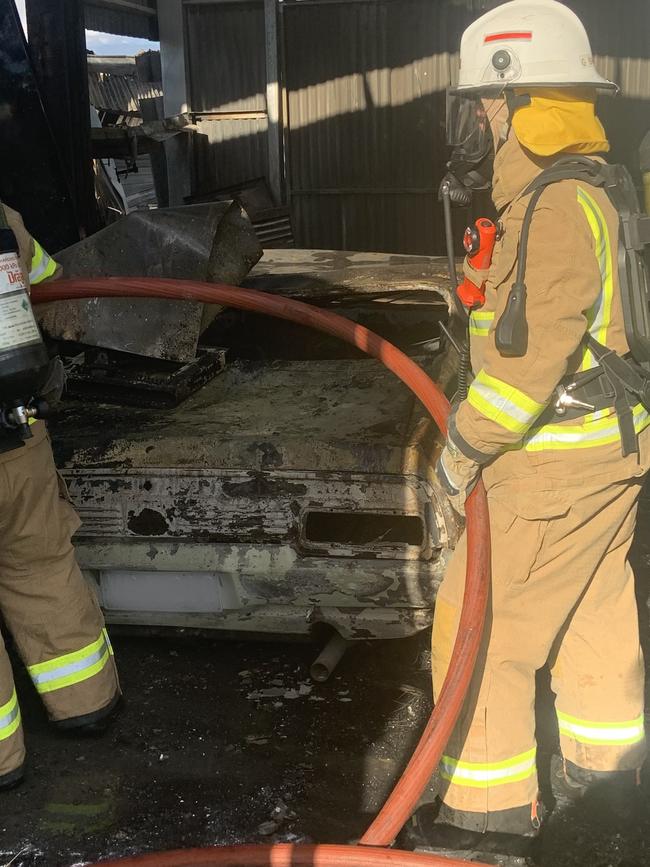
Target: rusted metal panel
{"x": 213, "y": 242}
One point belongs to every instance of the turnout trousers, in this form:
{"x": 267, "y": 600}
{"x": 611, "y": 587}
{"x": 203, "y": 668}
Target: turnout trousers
{"x": 46, "y": 603}
{"x": 563, "y": 593}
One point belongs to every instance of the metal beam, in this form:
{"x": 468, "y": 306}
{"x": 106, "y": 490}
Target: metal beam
{"x": 57, "y": 46}
{"x": 123, "y": 6}
{"x": 229, "y": 115}
{"x": 273, "y": 100}
{"x": 171, "y": 25}
{"x": 33, "y": 180}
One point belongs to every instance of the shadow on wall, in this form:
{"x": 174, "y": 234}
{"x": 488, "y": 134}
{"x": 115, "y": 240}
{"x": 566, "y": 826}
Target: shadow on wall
{"x": 364, "y": 87}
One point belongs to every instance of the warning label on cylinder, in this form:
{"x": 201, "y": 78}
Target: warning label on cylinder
{"x": 17, "y": 323}
{"x": 12, "y": 278}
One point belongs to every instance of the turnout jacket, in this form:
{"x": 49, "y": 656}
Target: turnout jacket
{"x": 573, "y": 290}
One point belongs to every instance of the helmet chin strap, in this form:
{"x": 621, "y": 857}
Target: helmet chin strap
{"x": 513, "y": 102}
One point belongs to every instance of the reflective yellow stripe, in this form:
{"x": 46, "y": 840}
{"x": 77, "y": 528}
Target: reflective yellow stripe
{"x": 42, "y": 267}
{"x": 479, "y": 323}
{"x": 71, "y": 668}
{"x": 503, "y": 403}
{"x": 593, "y": 431}
{"x": 600, "y": 733}
{"x": 600, "y": 428}
{"x": 600, "y": 315}
{"x": 9, "y": 717}
{"x": 487, "y": 775}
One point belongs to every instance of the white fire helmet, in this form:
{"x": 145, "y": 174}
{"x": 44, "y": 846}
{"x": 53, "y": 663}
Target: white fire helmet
{"x": 527, "y": 43}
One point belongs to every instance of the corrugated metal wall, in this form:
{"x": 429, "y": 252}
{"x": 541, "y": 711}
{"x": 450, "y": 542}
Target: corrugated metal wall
{"x": 363, "y": 84}
{"x": 620, "y": 38}
{"x": 227, "y": 82}
{"x": 365, "y": 88}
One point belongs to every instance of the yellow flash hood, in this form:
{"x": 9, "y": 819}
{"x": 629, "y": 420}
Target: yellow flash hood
{"x": 560, "y": 119}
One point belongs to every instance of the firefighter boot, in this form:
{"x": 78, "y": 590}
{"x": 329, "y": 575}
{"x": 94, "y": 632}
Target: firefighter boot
{"x": 93, "y": 725}
{"x": 12, "y": 780}
{"x": 507, "y": 841}
{"x": 566, "y": 791}
{"x": 617, "y": 793}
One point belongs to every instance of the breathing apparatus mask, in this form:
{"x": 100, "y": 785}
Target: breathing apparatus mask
{"x": 477, "y": 126}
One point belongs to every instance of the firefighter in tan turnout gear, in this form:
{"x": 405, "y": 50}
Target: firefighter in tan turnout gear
{"x": 562, "y": 465}
{"x": 45, "y": 602}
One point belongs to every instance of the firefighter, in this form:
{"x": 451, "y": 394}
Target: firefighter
{"x": 45, "y": 602}
{"x": 562, "y": 485}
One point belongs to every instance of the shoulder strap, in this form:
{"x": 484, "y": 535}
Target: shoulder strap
{"x": 511, "y": 333}
{"x": 571, "y": 168}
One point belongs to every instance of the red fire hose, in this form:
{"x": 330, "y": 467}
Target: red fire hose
{"x": 424, "y": 761}
{"x": 287, "y": 855}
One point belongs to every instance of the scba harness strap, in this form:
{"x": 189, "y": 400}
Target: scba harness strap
{"x": 615, "y": 382}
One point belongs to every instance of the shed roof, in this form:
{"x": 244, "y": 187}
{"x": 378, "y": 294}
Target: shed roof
{"x": 137, "y": 18}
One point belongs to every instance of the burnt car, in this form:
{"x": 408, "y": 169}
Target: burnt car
{"x": 292, "y": 487}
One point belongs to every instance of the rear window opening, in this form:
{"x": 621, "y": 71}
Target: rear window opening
{"x": 254, "y": 337}
{"x": 355, "y": 528}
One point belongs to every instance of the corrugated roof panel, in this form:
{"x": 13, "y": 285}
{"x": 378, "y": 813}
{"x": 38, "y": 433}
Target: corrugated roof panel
{"x": 121, "y": 92}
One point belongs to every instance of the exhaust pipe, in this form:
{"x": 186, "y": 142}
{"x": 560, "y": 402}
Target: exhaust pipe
{"x": 323, "y": 666}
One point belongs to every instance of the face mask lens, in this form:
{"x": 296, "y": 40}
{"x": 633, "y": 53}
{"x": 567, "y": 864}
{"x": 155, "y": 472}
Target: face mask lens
{"x": 468, "y": 129}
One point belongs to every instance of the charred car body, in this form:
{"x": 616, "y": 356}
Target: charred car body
{"x": 293, "y": 487}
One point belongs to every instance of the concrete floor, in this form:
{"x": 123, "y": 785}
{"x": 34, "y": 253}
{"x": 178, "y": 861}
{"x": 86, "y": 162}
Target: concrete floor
{"x": 202, "y": 755}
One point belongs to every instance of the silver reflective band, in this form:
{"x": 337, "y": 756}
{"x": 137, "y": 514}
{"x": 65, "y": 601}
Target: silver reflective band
{"x": 502, "y": 404}
{"x": 42, "y": 266}
{"x": 6, "y": 721}
{"x": 594, "y": 431}
{"x": 445, "y": 480}
{"x": 480, "y": 323}
{"x": 602, "y": 734}
{"x": 10, "y": 718}
{"x": 70, "y": 668}
{"x": 489, "y": 774}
